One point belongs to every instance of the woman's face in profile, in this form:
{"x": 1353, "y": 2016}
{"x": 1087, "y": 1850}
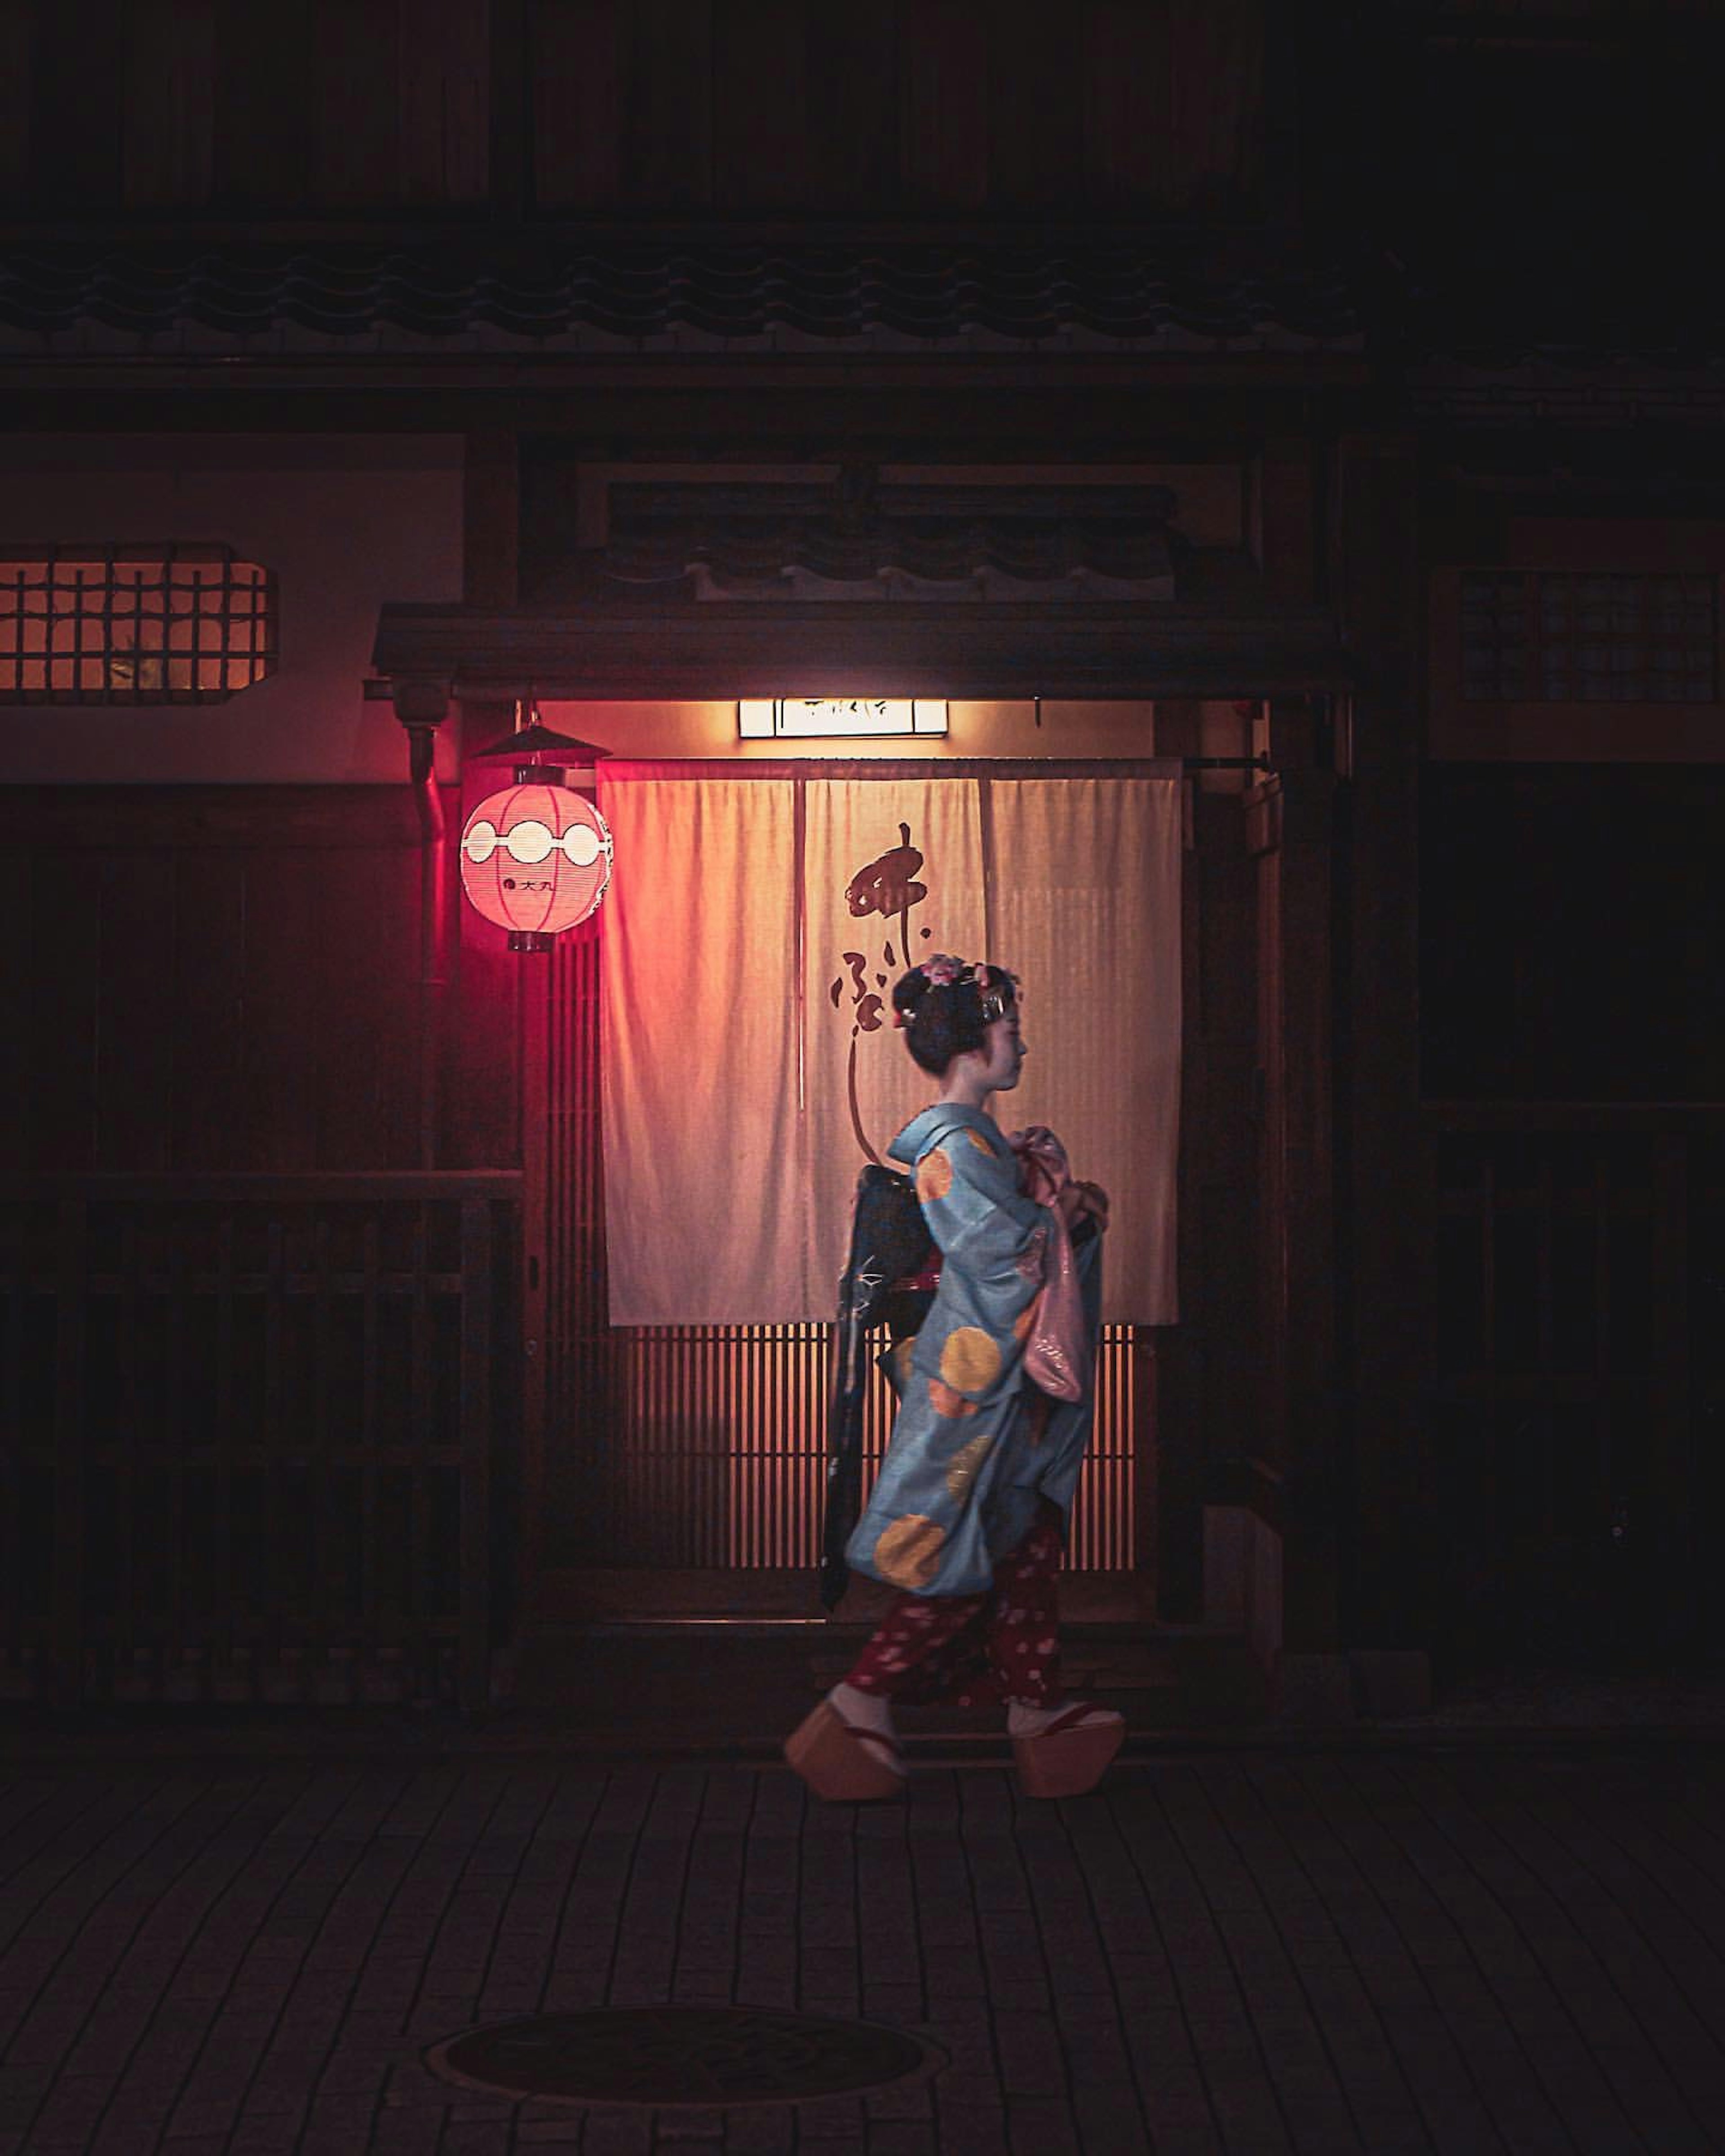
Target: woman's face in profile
{"x": 1005, "y": 1050}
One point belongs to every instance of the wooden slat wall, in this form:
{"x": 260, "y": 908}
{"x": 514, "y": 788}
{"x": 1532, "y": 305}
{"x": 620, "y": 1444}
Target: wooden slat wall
{"x": 249, "y": 1429}
{"x": 943, "y": 106}
{"x": 209, "y": 977}
{"x": 1126, "y": 85}
{"x": 77, "y": 81}
{"x": 1567, "y": 1484}
{"x": 18, "y": 42}
{"x": 1215, "y": 81}
{"x": 702, "y": 1448}
{"x": 277, "y": 104}
{"x": 1622, "y": 859}
{"x": 355, "y": 121}
{"x": 262, "y": 99}
{"x": 764, "y": 105}
{"x": 170, "y": 111}
{"x": 445, "y": 102}
{"x": 1035, "y": 102}
{"x": 657, "y": 108}
{"x": 576, "y": 76}
{"x": 766, "y": 155}
{"x": 852, "y": 71}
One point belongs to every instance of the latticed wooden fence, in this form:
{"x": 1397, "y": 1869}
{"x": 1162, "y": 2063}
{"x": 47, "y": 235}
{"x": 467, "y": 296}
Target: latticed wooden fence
{"x": 1573, "y": 1453}
{"x": 257, "y": 1434}
{"x": 714, "y": 1451}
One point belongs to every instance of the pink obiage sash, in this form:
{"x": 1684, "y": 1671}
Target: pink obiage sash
{"x": 1057, "y": 1353}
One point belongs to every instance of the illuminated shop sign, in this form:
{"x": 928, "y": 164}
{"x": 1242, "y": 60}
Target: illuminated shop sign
{"x": 805, "y": 718}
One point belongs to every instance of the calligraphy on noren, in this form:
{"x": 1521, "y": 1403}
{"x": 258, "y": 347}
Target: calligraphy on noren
{"x": 887, "y": 887}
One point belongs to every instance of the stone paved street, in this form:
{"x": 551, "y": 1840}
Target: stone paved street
{"x": 1470, "y": 1950}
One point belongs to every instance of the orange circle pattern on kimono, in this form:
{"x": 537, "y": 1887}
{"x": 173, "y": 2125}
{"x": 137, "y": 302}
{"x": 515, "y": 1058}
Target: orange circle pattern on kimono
{"x": 908, "y": 1553}
{"x": 962, "y": 1467}
{"x": 979, "y": 1141}
{"x": 902, "y": 1354}
{"x": 946, "y": 1402}
{"x": 934, "y": 1176}
{"x": 1025, "y": 1319}
{"x": 970, "y": 1361}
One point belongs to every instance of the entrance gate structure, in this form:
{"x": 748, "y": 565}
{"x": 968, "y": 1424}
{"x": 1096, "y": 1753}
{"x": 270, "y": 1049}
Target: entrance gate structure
{"x": 1221, "y": 664}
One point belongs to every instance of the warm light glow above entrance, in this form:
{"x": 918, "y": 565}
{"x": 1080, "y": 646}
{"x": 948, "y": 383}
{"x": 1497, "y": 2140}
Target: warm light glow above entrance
{"x": 837, "y": 718}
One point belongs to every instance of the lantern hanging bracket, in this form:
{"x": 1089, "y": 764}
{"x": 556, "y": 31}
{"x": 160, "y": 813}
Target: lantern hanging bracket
{"x": 537, "y": 742}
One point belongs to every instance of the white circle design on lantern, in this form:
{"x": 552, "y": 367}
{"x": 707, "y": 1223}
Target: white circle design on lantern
{"x": 479, "y": 842}
{"x": 580, "y": 843}
{"x": 529, "y": 842}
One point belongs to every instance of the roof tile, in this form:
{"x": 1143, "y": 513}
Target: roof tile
{"x": 903, "y": 298}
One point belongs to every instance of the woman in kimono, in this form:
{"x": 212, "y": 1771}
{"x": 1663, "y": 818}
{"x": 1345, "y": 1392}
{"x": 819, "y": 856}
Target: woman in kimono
{"x": 968, "y": 1515}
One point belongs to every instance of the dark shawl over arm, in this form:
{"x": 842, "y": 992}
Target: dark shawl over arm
{"x": 889, "y": 1241}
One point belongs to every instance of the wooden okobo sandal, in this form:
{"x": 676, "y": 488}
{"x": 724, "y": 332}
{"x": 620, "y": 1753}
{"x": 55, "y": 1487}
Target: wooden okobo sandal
{"x": 1069, "y": 1756}
{"x": 842, "y": 1763}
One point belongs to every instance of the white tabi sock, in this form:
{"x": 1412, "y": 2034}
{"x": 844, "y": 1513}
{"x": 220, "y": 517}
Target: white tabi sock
{"x": 1023, "y": 1720}
{"x": 862, "y": 1710}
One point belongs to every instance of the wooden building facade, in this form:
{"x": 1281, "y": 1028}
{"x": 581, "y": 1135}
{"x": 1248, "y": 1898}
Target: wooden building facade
{"x": 373, "y": 366}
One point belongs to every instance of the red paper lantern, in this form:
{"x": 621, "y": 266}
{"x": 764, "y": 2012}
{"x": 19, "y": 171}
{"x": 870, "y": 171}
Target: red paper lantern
{"x": 536, "y": 859}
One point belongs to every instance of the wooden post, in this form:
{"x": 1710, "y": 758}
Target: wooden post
{"x": 479, "y": 1348}
{"x": 538, "y": 977}
{"x": 1300, "y": 1487}
{"x": 1204, "y": 1382}
{"x": 500, "y": 996}
{"x": 1296, "y": 991}
{"x": 66, "y": 1684}
{"x": 1388, "y": 1171}
{"x": 1674, "y": 1513}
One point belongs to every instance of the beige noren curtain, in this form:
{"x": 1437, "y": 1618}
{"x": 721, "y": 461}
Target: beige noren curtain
{"x": 754, "y": 928}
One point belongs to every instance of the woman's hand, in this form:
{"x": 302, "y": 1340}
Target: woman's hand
{"x": 1083, "y": 1201}
{"x": 1092, "y": 1202}
{"x": 1071, "y": 1201}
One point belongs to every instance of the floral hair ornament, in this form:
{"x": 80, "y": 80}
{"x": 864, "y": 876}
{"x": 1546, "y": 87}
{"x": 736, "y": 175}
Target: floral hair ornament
{"x": 940, "y": 971}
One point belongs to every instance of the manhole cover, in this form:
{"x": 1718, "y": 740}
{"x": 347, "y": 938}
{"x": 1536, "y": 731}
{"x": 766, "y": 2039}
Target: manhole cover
{"x": 672, "y": 2055}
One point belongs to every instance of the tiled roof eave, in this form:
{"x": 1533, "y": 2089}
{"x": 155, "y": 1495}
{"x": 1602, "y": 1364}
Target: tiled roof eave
{"x": 276, "y": 302}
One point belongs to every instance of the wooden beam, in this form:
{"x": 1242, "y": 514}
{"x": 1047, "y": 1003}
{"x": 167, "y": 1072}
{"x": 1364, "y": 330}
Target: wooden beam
{"x": 222, "y": 1186}
{"x": 937, "y": 650}
{"x": 1106, "y": 405}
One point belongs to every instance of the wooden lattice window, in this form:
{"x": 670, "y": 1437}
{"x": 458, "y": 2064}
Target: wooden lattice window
{"x": 133, "y": 624}
{"x": 1546, "y": 637}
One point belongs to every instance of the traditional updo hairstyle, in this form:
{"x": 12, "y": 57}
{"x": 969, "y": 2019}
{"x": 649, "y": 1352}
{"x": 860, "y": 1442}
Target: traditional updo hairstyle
{"x": 947, "y": 1018}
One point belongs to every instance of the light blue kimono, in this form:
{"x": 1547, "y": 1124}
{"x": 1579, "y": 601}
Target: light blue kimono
{"x": 966, "y": 1468}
